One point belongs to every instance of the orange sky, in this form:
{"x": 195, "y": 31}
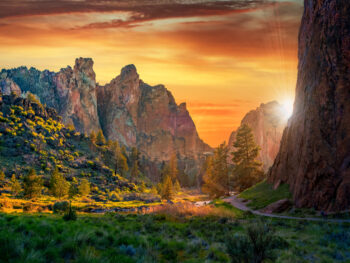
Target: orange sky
{"x": 223, "y": 58}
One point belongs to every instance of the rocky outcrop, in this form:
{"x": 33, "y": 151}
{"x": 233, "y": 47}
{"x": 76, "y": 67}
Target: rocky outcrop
{"x": 267, "y": 123}
{"x": 147, "y": 117}
{"x": 127, "y": 109}
{"x": 314, "y": 158}
{"x": 72, "y": 92}
{"x": 7, "y": 86}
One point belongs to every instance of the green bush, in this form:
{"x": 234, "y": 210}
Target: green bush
{"x": 60, "y": 207}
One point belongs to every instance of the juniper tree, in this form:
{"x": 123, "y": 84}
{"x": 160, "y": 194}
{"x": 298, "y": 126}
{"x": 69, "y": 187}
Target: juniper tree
{"x": 59, "y": 187}
{"x": 32, "y": 184}
{"x": 15, "y": 186}
{"x": 100, "y": 139}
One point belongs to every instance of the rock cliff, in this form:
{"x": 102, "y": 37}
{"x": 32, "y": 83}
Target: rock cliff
{"x": 127, "y": 109}
{"x": 314, "y": 158}
{"x": 267, "y": 123}
{"x": 147, "y": 117}
{"x": 72, "y": 92}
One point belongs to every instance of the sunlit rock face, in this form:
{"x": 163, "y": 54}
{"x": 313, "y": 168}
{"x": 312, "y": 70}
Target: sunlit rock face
{"x": 267, "y": 123}
{"x": 72, "y": 92}
{"x": 8, "y": 86}
{"x": 314, "y": 158}
{"x": 147, "y": 117}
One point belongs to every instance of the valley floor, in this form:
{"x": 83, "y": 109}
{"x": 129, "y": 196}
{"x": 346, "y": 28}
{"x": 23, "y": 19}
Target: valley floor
{"x": 179, "y": 234}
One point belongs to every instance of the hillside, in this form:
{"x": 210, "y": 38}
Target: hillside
{"x": 33, "y": 136}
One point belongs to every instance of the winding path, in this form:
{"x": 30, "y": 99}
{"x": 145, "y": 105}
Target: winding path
{"x": 237, "y": 202}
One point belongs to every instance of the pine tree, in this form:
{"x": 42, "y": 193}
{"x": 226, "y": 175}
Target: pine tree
{"x": 93, "y": 137}
{"x": 59, "y": 187}
{"x": 115, "y": 152}
{"x": 84, "y": 187}
{"x": 216, "y": 178}
{"x": 2, "y": 177}
{"x": 100, "y": 139}
{"x": 134, "y": 171}
{"x": 177, "y": 186}
{"x": 32, "y": 185}
{"x": 173, "y": 167}
{"x": 247, "y": 170}
{"x": 73, "y": 188}
{"x": 15, "y": 186}
{"x": 167, "y": 189}
{"x": 123, "y": 164}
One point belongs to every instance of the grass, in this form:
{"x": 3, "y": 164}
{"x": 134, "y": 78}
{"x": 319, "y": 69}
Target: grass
{"x": 263, "y": 194}
{"x": 157, "y": 238}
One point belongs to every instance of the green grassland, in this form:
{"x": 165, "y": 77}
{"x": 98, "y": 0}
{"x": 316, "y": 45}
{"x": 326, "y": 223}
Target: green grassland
{"x": 158, "y": 238}
{"x": 263, "y": 194}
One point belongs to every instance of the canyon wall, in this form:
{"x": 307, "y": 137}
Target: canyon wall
{"x": 314, "y": 157}
{"x": 267, "y": 123}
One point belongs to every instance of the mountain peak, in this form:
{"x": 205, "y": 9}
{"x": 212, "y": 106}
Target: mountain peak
{"x": 128, "y": 71}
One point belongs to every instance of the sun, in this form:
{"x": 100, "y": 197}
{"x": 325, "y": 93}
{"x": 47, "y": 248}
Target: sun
{"x": 287, "y": 107}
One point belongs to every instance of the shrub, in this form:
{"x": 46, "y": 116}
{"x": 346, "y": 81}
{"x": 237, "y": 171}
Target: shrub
{"x": 257, "y": 245}
{"x": 70, "y": 215}
{"x": 60, "y": 207}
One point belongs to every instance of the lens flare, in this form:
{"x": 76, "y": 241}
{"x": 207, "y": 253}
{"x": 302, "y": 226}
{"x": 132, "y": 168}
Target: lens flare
{"x": 287, "y": 107}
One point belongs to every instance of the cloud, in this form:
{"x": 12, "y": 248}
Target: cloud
{"x": 142, "y": 10}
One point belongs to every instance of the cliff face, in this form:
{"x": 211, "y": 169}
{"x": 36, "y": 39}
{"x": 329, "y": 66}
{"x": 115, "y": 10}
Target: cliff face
{"x": 72, "y": 92}
{"x": 314, "y": 158}
{"x": 127, "y": 109}
{"x": 147, "y": 117}
{"x": 267, "y": 123}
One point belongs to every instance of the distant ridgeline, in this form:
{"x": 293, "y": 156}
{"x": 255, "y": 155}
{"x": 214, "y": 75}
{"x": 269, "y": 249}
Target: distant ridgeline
{"x": 33, "y": 136}
{"x": 127, "y": 110}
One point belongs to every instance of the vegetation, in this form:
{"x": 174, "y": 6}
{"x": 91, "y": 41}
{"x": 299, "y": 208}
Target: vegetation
{"x": 216, "y": 178}
{"x": 166, "y": 238}
{"x": 59, "y": 187}
{"x": 263, "y": 194}
{"x": 32, "y": 185}
{"x": 167, "y": 189}
{"x": 247, "y": 171}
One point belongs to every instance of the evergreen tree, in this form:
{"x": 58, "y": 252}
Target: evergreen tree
{"x": 2, "y": 177}
{"x": 100, "y": 139}
{"x": 177, "y": 186}
{"x": 167, "y": 189}
{"x": 134, "y": 155}
{"x": 247, "y": 170}
{"x": 115, "y": 152}
{"x": 73, "y": 188}
{"x": 216, "y": 178}
{"x": 32, "y": 185}
{"x": 134, "y": 171}
{"x": 173, "y": 167}
{"x": 59, "y": 187}
{"x": 123, "y": 164}
{"x": 15, "y": 186}
{"x": 84, "y": 187}
{"x": 93, "y": 137}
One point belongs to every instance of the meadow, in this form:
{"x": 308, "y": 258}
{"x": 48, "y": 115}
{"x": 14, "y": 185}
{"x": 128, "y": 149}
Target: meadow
{"x": 182, "y": 234}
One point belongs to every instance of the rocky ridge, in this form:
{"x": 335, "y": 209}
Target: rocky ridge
{"x": 314, "y": 158}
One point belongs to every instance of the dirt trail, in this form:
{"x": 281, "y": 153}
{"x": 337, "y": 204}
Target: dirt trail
{"x": 237, "y": 202}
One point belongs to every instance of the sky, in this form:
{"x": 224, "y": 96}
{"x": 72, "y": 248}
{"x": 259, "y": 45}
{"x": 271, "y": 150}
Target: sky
{"x": 223, "y": 58}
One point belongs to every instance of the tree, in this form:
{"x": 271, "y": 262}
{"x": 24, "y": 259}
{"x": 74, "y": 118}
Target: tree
{"x": 167, "y": 189}
{"x": 15, "y": 186}
{"x": 84, "y": 187}
{"x": 93, "y": 137}
{"x": 247, "y": 170}
{"x": 115, "y": 152}
{"x": 216, "y": 178}
{"x": 100, "y": 139}
{"x": 177, "y": 186}
{"x": 173, "y": 167}
{"x": 134, "y": 171}
{"x": 73, "y": 188}
{"x": 122, "y": 164}
{"x": 32, "y": 184}
{"x": 59, "y": 187}
{"x": 2, "y": 177}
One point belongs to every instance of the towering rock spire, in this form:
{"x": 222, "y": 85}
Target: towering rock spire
{"x": 314, "y": 157}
